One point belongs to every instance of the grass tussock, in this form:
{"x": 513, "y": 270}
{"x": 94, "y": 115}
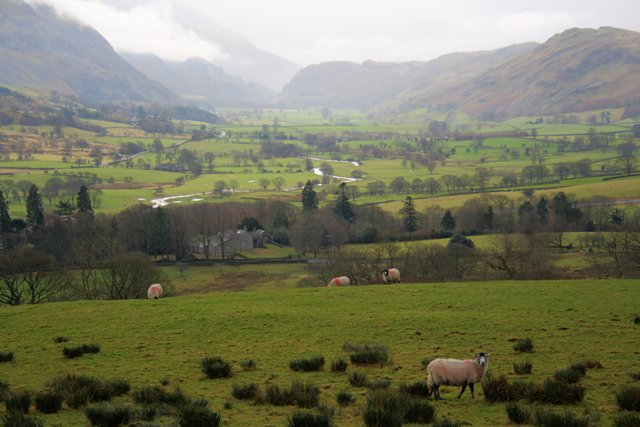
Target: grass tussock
{"x": 314, "y": 363}
{"x": 518, "y": 413}
{"x": 339, "y": 365}
{"x": 216, "y": 367}
{"x": 497, "y": 389}
{"x": 627, "y": 419}
{"x": 245, "y": 391}
{"x": 196, "y": 413}
{"x": 248, "y": 365}
{"x": 18, "y": 401}
{"x": 384, "y": 409}
{"x": 18, "y": 419}
{"x": 419, "y": 388}
{"x": 60, "y": 339}
{"x": 547, "y": 418}
{"x": 73, "y": 352}
{"x": 321, "y": 418}
{"x": 344, "y": 398}
{"x": 523, "y": 345}
{"x": 156, "y": 395}
{"x": 523, "y": 368}
{"x": 358, "y": 379}
{"x": 48, "y": 402}
{"x": 379, "y": 383}
{"x": 109, "y": 414}
{"x": 78, "y": 390}
{"x": 561, "y": 393}
{"x": 304, "y": 395}
{"x": 419, "y": 411}
{"x": 629, "y": 398}
{"x": 368, "y": 354}
{"x": 569, "y": 375}
{"x": 6, "y": 356}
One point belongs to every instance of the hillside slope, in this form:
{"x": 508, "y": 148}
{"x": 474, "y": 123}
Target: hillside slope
{"x": 200, "y": 81}
{"x": 347, "y": 84}
{"x": 42, "y": 51}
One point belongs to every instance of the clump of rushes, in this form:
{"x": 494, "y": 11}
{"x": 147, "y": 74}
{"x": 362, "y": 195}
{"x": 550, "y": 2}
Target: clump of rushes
{"x": 60, "y": 339}
{"x": 522, "y": 368}
{"x": 379, "y": 383}
{"x": 419, "y": 411}
{"x": 109, "y": 414}
{"x": 629, "y": 398}
{"x": 368, "y": 354}
{"x": 215, "y": 367}
{"x": 197, "y": 413}
{"x": 561, "y": 393}
{"x": 73, "y": 352}
{"x": 384, "y": 408}
{"x": 18, "y": 419}
{"x": 304, "y": 395}
{"x": 420, "y": 388}
{"x": 344, "y": 398}
{"x": 627, "y": 419}
{"x": 339, "y": 365}
{"x": 523, "y": 345}
{"x": 497, "y": 389}
{"x": 358, "y": 379}
{"x": 518, "y": 413}
{"x": 445, "y": 422}
{"x": 544, "y": 417}
{"x": 425, "y": 362}
{"x": 248, "y": 365}
{"x": 322, "y": 418}
{"x": 569, "y": 375}
{"x": 18, "y": 401}
{"x": 314, "y": 363}
{"x": 48, "y": 402}
{"x": 245, "y": 391}
{"x": 6, "y": 356}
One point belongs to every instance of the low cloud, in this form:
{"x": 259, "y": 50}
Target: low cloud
{"x": 147, "y": 28}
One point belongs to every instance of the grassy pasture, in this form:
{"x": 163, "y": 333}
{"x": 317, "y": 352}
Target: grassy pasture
{"x": 146, "y": 342}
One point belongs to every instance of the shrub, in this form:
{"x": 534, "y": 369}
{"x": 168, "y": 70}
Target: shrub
{"x": 248, "y": 365}
{"x": 245, "y": 391}
{"x": 384, "y": 409}
{"x": 517, "y": 413}
{"x": 569, "y": 375}
{"x": 627, "y": 419}
{"x": 6, "y": 357}
{"x": 108, "y": 414}
{"x": 60, "y": 339}
{"x": 215, "y": 367}
{"x": 368, "y": 354}
{"x": 322, "y": 418}
{"x": 523, "y": 368}
{"x": 344, "y": 398}
{"x": 196, "y": 413}
{"x": 314, "y": 363}
{"x": 420, "y": 388}
{"x": 444, "y": 422}
{"x": 358, "y": 379}
{"x": 18, "y": 419}
{"x": 419, "y": 411}
{"x": 524, "y": 345}
{"x": 561, "y": 393}
{"x": 339, "y": 365}
{"x": 18, "y": 401}
{"x": 629, "y": 398}
{"x": 546, "y": 418}
{"x": 48, "y": 402}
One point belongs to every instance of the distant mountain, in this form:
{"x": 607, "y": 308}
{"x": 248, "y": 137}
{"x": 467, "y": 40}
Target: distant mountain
{"x": 201, "y": 82}
{"x": 577, "y": 70}
{"x": 42, "y": 51}
{"x": 370, "y": 84}
{"x": 241, "y": 57}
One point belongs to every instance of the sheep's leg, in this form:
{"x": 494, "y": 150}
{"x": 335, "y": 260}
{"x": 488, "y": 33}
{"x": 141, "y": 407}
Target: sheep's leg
{"x": 436, "y": 393}
{"x": 471, "y": 388}
{"x": 464, "y": 387}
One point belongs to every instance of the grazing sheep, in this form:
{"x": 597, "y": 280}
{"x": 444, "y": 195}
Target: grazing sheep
{"x": 457, "y": 372}
{"x": 154, "y": 291}
{"x": 339, "y": 281}
{"x": 391, "y": 275}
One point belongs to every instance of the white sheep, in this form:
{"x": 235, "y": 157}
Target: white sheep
{"x": 339, "y": 281}
{"x": 154, "y": 291}
{"x": 457, "y": 372}
{"x": 391, "y": 275}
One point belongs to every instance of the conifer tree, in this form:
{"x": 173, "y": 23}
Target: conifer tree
{"x": 35, "y": 212}
{"x": 83, "y": 200}
{"x": 309, "y": 197}
{"x": 448, "y": 221}
{"x": 343, "y": 207}
{"x": 5, "y": 218}
{"x": 409, "y": 216}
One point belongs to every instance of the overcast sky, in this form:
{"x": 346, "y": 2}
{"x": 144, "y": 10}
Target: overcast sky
{"x": 312, "y": 32}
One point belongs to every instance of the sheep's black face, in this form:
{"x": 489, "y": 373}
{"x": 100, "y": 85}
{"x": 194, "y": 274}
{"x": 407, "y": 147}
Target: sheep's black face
{"x": 385, "y": 272}
{"x": 482, "y": 358}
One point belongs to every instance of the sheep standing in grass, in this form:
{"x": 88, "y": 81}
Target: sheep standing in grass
{"x": 457, "y": 372}
{"x": 154, "y": 291}
{"x": 391, "y": 275}
{"x": 339, "y": 281}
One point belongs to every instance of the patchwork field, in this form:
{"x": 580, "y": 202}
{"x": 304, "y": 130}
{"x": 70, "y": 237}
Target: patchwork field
{"x": 164, "y": 341}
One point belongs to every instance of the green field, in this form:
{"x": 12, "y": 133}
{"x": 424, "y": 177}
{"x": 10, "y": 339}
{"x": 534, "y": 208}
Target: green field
{"x": 146, "y": 342}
